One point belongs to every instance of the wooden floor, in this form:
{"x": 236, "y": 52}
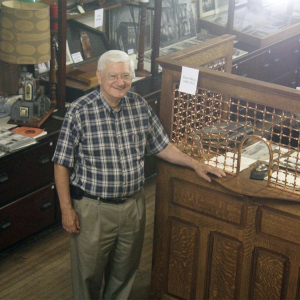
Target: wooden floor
{"x": 41, "y": 269}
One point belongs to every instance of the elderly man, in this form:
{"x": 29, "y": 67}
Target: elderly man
{"x": 99, "y": 175}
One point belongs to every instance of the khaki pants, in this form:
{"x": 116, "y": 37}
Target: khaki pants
{"x": 110, "y": 244}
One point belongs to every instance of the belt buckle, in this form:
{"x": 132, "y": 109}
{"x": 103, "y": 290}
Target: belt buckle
{"x": 121, "y": 200}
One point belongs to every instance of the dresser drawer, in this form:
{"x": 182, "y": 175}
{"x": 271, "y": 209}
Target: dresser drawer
{"x": 24, "y": 172}
{"x": 284, "y": 58}
{"x": 26, "y": 216}
{"x": 290, "y": 79}
{"x": 256, "y": 67}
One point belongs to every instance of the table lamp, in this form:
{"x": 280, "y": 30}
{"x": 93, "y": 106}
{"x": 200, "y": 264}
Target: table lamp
{"x": 140, "y": 72}
{"x": 25, "y": 40}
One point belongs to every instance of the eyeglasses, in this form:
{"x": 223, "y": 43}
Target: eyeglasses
{"x": 114, "y": 77}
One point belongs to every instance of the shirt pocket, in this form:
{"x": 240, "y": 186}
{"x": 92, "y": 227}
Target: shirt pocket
{"x": 137, "y": 144}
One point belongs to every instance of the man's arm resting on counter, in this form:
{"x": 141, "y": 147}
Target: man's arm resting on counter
{"x": 70, "y": 220}
{"x": 175, "y": 156}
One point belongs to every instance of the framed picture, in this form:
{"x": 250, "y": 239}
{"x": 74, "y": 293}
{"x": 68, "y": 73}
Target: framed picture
{"x": 124, "y": 28}
{"x": 207, "y": 7}
{"x": 178, "y": 21}
{"x": 42, "y": 69}
{"x": 210, "y": 7}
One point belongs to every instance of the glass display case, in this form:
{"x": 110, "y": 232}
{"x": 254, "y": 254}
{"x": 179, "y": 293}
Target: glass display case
{"x": 258, "y": 23}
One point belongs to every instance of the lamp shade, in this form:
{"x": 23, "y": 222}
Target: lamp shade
{"x": 25, "y": 32}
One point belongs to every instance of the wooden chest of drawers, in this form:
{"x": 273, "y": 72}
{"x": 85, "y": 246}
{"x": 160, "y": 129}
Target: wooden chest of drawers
{"x": 27, "y": 215}
{"x": 28, "y": 201}
{"x": 26, "y": 170}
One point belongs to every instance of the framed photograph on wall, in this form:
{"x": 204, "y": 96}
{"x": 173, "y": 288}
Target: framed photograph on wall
{"x": 42, "y": 69}
{"x": 178, "y": 21}
{"x": 207, "y": 7}
{"x": 124, "y": 28}
{"x": 211, "y": 7}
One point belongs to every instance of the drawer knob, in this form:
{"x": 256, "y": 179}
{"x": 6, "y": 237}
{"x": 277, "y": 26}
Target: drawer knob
{"x": 44, "y": 160}
{"x": 5, "y": 224}
{"x": 3, "y": 177}
{"x": 45, "y": 205}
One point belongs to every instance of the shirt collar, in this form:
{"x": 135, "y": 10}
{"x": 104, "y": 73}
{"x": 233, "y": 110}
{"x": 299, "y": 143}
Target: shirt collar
{"x": 105, "y": 104}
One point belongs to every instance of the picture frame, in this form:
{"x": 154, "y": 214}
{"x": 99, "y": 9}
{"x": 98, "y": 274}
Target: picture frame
{"x": 42, "y": 69}
{"x": 207, "y": 8}
{"x": 211, "y": 7}
{"x": 178, "y": 21}
{"x": 124, "y": 28}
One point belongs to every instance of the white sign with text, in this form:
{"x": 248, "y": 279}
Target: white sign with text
{"x": 98, "y": 17}
{"x": 189, "y": 80}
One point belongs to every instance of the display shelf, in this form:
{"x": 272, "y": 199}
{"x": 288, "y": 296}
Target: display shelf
{"x": 90, "y": 7}
{"x": 254, "y": 25}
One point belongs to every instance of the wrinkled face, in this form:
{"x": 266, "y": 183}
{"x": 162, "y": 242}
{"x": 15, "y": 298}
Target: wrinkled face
{"x": 115, "y": 81}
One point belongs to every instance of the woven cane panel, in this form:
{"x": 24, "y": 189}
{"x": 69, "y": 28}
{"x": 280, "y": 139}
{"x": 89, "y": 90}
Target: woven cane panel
{"x": 217, "y": 129}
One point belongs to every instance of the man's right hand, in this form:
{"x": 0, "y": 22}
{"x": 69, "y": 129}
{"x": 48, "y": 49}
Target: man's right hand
{"x": 70, "y": 221}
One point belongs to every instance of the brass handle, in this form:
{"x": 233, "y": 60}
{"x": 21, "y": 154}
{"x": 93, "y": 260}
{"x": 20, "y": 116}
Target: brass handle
{"x": 5, "y": 224}
{"x": 45, "y": 205}
{"x": 3, "y": 177}
{"x": 44, "y": 160}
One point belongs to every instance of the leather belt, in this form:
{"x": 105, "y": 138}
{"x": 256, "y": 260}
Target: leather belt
{"x": 119, "y": 200}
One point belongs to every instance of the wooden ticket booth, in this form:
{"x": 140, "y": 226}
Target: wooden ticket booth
{"x": 236, "y": 237}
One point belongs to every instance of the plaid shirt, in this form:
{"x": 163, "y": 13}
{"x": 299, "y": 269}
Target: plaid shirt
{"x": 105, "y": 149}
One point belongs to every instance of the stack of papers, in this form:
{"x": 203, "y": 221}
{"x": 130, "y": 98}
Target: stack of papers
{"x": 11, "y": 141}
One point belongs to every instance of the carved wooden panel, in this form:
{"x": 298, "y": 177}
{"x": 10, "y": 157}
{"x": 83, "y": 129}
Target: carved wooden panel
{"x": 223, "y": 267}
{"x": 202, "y": 252}
{"x": 183, "y": 254}
{"x": 270, "y": 275}
{"x": 276, "y": 224}
{"x": 210, "y": 202}
{"x": 298, "y": 286}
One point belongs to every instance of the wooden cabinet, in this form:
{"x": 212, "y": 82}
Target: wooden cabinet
{"x": 253, "y": 22}
{"x": 234, "y": 237}
{"x": 26, "y": 170}
{"x": 27, "y": 215}
{"x": 257, "y": 67}
{"x": 28, "y": 200}
{"x": 211, "y": 243}
{"x": 276, "y": 63}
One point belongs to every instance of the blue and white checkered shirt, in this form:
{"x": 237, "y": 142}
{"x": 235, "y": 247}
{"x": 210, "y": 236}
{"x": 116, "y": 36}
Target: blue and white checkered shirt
{"x": 105, "y": 149}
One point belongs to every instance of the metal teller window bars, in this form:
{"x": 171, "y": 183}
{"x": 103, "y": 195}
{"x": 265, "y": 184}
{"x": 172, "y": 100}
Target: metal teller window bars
{"x": 235, "y": 134}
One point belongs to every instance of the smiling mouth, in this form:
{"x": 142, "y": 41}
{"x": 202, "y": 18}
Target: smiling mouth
{"x": 119, "y": 88}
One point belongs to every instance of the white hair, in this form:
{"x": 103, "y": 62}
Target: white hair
{"x": 114, "y": 56}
